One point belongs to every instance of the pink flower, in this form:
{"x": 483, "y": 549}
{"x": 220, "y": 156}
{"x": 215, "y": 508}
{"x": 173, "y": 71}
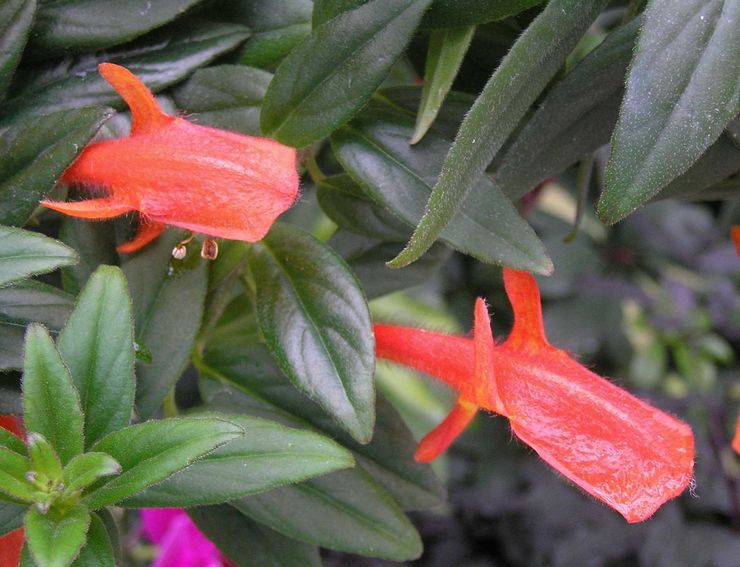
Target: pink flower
{"x": 180, "y": 542}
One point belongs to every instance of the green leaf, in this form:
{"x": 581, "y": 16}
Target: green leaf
{"x": 249, "y": 544}
{"x": 277, "y": 27}
{"x": 569, "y": 125}
{"x": 455, "y": 13}
{"x": 324, "y": 10}
{"x": 43, "y": 458}
{"x": 518, "y": 81}
{"x": 95, "y": 243}
{"x": 50, "y": 401}
{"x": 160, "y": 60}
{"x": 24, "y": 253}
{"x": 342, "y": 511}
{"x": 79, "y": 26}
{"x": 85, "y": 469}
{"x": 55, "y": 541}
{"x": 10, "y": 441}
{"x": 98, "y": 551}
{"x": 447, "y": 48}
{"x": 29, "y": 300}
{"x": 243, "y": 377}
{"x": 374, "y": 149}
{"x": 35, "y": 151}
{"x": 11, "y": 517}
{"x": 683, "y": 89}
{"x": 152, "y": 451}
{"x": 97, "y": 346}
{"x": 13, "y": 469}
{"x": 225, "y": 96}
{"x": 16, "y": 18}
{"x": 168, "y": 306}
{"x": 268, "y": 455}
{"x": 315, "y": 320}
{"x": 11, "y": 345}
{"x": 331, "y": 74}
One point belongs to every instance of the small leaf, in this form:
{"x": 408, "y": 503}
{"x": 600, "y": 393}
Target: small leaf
{"x": 447, "y": 48}
{"x": 24, "y": 253}
{"x": 98, "y": 551}
{"x": 268, "y": 455}
{"x": 79, "y": 26}
{"x": 43, "y": 458}
{"x": 54, "y": 540}
{"x": 16, "y": 18}
{"x": 342, "y": 511}
{"x": 455, "y": 13}
{"x": 10, "y": 441}
{"x": 85, "y": 469}
{"x": 682, "y": 90}
{"x": 152, "y": 451}
{"x": 50, "y": 401}
{"x": 249, "y": 544}
{"x": 13, "y": 469}
{"x": 316, "y": 322}
{"x": 518, "y": 81}
{"x": 168, "y": 307}
{"x": 97, "y": 346}
{"x": 225, "y": 96}
{"x": 332, "y": 73}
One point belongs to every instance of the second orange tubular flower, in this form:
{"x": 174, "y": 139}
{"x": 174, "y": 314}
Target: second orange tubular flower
{"x": 177, "y": 173}
{"x": 621, "y": 450}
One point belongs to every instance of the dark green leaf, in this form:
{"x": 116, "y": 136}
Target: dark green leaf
{"x": 78, "y": 26}
{"x": 50, "y": 401}
{"x": 29, "y": 300}
{"x": 11, "y": 517}
{"x": 85, "y": 469}
{"x": 374, "y": 149}
{"x": 13, "y": 469}
{"x": 168, "y": 306}
{"x": 11, "y": 345}
{"x": 447, "y": 48}
{"x": 43, "y": 458}
{"x": 152, "y": 451}
{"x": 518, "y": 81}
{"x": 226, "y": 96}
{"x": 56, "y": 540}
{"x": 24, "y": 253}
{"x": 277, "y": 26}
{"x": 342, "y": 511}
{"x": 98, "y": 551}
{"x": 681, "y": 93}
{"x": 111, "y": 527}
{"x": 249, "y": 544}
{"x": 315, "y": 320}
{"x": 16, "y": 17}
{"x": 35, "y": 151}
{"x": 95, "y": 243}
{"x": 324, "y": 10}
{"x": 160, "y": 59}
{"x": 98, "y": 347}
{"x": 453, "y": 13}
{"x": 268, "y": 455}
{"x": 569, "y": 125}
{"x": 331, "y": 74}
{"x": 243, "y": 377}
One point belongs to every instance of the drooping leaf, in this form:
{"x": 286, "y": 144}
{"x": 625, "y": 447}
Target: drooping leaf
{"x": 79, "y": 26}
{"x": 98, "y": 347}
{"x": 51, "y": 403}
{"x": 374, "y": 149}
{"x": 152, "y": 451}
{"x": 225, "y": 96}
{"x": 569, "y": 125}
{"x": 447, "y": 48}
{"x": 98, "y": 550}
{"x": 268, "y": 455}
{"x": 168, "y": 306}
{"x": 332, "y": 73}
{"x": 249, "y": 544}
{"x": 16, "y": 17}
{"x": 54, "y": 540}
{"x": 517, "y": 82}
{"x": 159, "y": 59}
{"x": 342, "y": 511}
{"x": 243, "y": 377}
{"x": 35, "y": 151}
{"x": 315, "y": 319}
{"x": 683, "y": 89}
{"x": 455, "y": 13}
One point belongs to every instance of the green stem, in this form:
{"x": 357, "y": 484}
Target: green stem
{"x": 169, "y": 404}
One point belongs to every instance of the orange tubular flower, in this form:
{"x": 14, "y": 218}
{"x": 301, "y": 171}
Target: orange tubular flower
{"x": 176, "y": 173}
{"x": 616, "y": 447}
